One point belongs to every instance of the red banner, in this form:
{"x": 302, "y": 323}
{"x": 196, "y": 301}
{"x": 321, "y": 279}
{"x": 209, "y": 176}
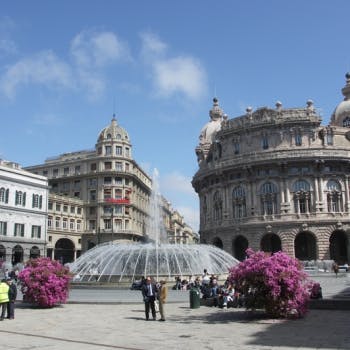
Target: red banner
{"x": 118, "y": 200}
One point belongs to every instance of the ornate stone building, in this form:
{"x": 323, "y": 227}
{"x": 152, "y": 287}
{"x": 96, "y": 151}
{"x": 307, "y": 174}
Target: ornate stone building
{"x": 276, "y": 179}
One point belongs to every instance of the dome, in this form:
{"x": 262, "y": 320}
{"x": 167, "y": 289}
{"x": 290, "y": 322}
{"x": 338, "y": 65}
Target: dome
{"x": 210, "y": 129}
{"x": 341, "y": 115}
{"x": 113, "y": 132}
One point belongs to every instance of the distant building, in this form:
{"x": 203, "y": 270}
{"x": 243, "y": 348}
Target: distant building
{"x": 23, "y": 213}
{"x": 276, "y": 179}
{"x": 110, "y": 190}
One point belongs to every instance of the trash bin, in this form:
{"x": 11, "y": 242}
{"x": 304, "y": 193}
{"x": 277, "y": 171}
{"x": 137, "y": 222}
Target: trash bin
{"x": 194, "y": 298}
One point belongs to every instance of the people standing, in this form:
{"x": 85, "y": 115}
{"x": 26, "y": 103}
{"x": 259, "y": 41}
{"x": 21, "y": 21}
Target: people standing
{"x": 149, "y": 293}
{"x": 4, "y": 298}
{"x": 163, "y": 294}
{"x": 335, "y": 269}
{"x": 12, "y": 298}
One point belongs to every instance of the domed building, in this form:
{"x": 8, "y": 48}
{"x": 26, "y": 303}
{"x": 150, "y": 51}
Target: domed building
{"x": 276, "y": 179}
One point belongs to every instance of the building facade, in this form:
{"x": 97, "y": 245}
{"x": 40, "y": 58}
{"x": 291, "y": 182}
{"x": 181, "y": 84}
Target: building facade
{"x": 276, "y": 179}
{"x": 97, "y": 196}
{"x": 23, "y": 214}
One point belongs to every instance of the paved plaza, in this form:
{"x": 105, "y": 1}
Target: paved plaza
{"x": 114, "y": 319}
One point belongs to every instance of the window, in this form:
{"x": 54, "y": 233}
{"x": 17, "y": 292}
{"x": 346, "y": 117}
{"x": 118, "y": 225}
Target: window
{"x": 78, "y": 225}
{"x": 107, "y": 180}
{"x": 92, "y": 182}
{"x": 45, "y": 172}
{"x": 239, "y": 202}
{"x": 329, "y": 139}
{"x": 217, "y": 202}
{"x": 57, "y": 223}
{"x": 58, "y": 207}
{"x": 236, "y": 148}
{"x": 65, "y": 171}
{"x": 92, "y": 211}
{"x": 107, "y": 224}
{"x": 118, "y": 224}
{"x": 77, "y": 170}
{"x": 93, "y": 167}
{"x": 65, "y": 208}
{"x": 20, "y": 198}
{"x": 302, "y": 197}
{"x": 4, "y": 195}
{"x": 127, "y": 151}
{"x": 118, "y": 180}
{"x": 118, "y": 150}
{"x": 77, "y": 184}
{"x": 36, "y": 231}
{"x": 3, "y": 228}
{"x": 37, "y": 201}
{"x": 126, "y": 182}
{"x": 346, "y": 122}
{"x": 108, "y": 150}
{"x": 107, "y": 193}
{"x": 118, "y": 194}
{"x": 50, "y": 238}
{"x": 107, "y": 209}
{"x": 118, "y": 209}
{"x": 55, "y": 172}
{"x": 92, "y": 195}
{"x": 265, "y": 142}
{"x": 127, "y": 225}
{"x": 92, "y": 225}
{"x": 127, "y": 166}
{"x": 119, "y": 137}
{"x": 19, "y": 230}
{"x": 79, "y": 210}
{"x": 268, "y": 198}
{"x": 118, "y": 166}
{"x": 72, "y": 209}
{"x": 49, "y": 222}
{"x": 108, "y": 165}
{"x": 65, "y": 224}
{"x": 334, "y": 197}
{"x": 298, "y": 140}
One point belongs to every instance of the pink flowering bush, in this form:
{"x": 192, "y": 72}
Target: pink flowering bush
{"x": 45, "y": 282}
{"x": 276, "y": 283}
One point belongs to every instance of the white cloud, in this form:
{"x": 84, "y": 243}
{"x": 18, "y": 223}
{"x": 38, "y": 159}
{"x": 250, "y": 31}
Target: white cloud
{"x": 7, "y": 47}
{"x": 177, "y": 183}
{"x": 180, "y": 74}
{"x": 43, "y": 68}
{"x": 151, "y": 45}
{"x": 97, "y": 49}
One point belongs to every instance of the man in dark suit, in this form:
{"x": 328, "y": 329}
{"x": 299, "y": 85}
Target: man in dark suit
{"x": 149, "y": 293}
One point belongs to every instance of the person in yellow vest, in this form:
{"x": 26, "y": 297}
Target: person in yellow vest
{"x": 4, "y": 298}
{"x": 162, "y": 299}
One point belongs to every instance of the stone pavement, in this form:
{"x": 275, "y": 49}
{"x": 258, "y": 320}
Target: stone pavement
{"x": 102, "y": 326}
{"x": 105, "y": 318}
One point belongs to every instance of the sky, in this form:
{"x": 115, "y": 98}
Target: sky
{"x": 66, "y": 66}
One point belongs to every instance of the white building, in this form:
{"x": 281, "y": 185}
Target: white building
{"x": 23, "y": 213}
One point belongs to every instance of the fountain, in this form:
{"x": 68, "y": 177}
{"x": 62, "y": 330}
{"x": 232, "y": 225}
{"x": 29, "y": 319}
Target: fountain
{"x": 120, "y": 262}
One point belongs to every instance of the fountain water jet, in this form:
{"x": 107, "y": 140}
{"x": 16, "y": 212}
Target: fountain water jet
{"x": 118, "y": 262}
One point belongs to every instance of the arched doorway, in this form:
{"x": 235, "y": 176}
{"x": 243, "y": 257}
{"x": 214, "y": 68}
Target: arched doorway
{"x": 271, "y": 243}
{"x": 240, "y": 245}
{"x": 218, "y": 242}
{"x": 64, "y": 251}
{"x": 305, "y": 246}
{"x": 17, "y": 255}
{"x": 2, "y": 253}
{"x": 34, "y": 252}
{"x": 338, "y": 243}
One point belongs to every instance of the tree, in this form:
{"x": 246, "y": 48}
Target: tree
{"x": 45, "y": 282}
{"x": 276, "y": 283}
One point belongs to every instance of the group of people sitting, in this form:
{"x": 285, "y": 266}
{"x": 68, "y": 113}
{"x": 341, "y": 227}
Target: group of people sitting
{"x": 225, "y": 295}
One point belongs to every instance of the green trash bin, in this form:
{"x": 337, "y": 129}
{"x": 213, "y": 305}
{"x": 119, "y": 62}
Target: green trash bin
{"x": 195, "y": 302}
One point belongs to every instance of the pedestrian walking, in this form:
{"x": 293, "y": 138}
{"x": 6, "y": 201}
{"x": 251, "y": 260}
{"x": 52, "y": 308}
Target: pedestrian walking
{"x": 162, "y": 299}
{"x": 335, "y": 269}
{"x": 12, "y": 298}
{"x": 4, "y": 298}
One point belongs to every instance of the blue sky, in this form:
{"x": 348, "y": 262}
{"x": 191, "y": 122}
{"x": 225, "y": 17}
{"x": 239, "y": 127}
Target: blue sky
{"x": 66, "y": 66}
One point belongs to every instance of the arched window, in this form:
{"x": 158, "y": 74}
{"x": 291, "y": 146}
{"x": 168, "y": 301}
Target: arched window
{"x": 4, "y": 195}
{"x": 268, "y": 198}
{"x": 346, "y": 122}
{"x": 217, "y": 203}
{"x": 301, "y": 196}
{"x": 334, "y": 197}
{"x": 239, "y": 202}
